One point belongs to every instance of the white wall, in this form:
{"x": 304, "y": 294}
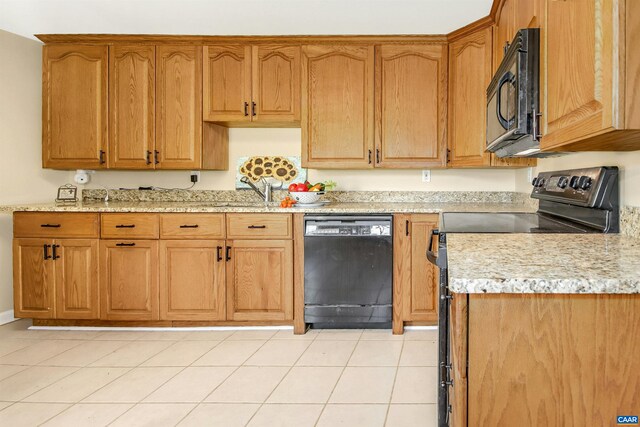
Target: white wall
{"x": 628, "y": 162}
{"x": 21, "y": 177}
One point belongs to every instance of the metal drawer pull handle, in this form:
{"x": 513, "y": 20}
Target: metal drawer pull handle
{"x": 257, "y": 226}
{"x": 125, "y": 244}
{"x": 46, "y": 252}
{"x": 218, "y": 253}
{"x": 50, "y": 225}
{"x": 189, "y": 226}
{"x": 125, "y": 226}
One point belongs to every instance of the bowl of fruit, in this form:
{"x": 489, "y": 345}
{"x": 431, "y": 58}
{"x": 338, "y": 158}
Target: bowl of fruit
{"x": 306, "y": 192}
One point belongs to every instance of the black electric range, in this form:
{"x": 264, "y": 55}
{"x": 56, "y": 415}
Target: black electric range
{"x": 570, "y": 201}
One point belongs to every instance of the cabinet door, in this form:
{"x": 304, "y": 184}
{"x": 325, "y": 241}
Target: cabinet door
{"x": 129, "y": 279}
{"x": 227, "y": 83}
{"x": 260, "y": 280}
{"x": 77, "y": 285}
{"x": 179, "y": 98}
{"x": 192, "y": 280}
{"x": 276, "y": 84}
{"x": 132, "y": 107}
{"x": 469, "y": 76}
{"x": 411, "y": 105}
{"x": 415, "y": 276}
{"x": 33, "y": 279}
{"x": 74, "y": 106}
{"x": 581, "y": 70}
{"x": 505, "y": 30}
{"x": 337, "y": 107}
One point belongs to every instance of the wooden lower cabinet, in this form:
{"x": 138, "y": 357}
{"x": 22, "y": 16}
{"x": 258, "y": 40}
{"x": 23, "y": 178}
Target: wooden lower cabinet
{"x": 415, "y": 278}
{"x": 192, "y": 280}
{"x": 544, "y": 359}
{"x": 129, "y": 279}
{"x": 33, "y": 279}
{"x": 56, "y": 278}
{"x": 77, "y": 283}
{"x": 260, "y": 280}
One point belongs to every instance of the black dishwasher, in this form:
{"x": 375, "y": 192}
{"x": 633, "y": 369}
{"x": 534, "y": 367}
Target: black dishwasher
{"x": 348, "y": 271}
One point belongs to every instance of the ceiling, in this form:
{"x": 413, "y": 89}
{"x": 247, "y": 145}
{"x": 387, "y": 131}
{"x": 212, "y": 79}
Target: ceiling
{"x": 236, "y": 17}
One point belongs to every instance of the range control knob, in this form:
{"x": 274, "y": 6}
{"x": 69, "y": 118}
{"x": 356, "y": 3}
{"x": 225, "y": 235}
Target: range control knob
{"x": 584, "y": 182}
{"x": 563, "y": 181}
{"x": 534, "y": 182}
{"x": 541, "y": 182}
{"x": 573, "y": 183}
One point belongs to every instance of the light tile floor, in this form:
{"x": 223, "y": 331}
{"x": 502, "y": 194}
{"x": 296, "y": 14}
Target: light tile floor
{"x": 216, "y": 378}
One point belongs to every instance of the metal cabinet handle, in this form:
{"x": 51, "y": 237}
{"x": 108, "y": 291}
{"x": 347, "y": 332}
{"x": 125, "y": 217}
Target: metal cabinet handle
{"x": 189, "y": 226}
{"x": 102, "y": 153}
{"x": 377, "y": 155}
{"x": 218, "y": 253}
{"x": 228, "y": 253}
{"x": 125, "y": 226}
{"x": 257, "y": 226}
{"x": 156, "y": 153}
{"x": 253, "y": 108}
{"x": 46, "y": 252}
{"x": 148, "y": 157}
{"x": 50, "y": 225}
{"x": 406, "y": 231}
{"x": 125, "y": 244}
{"x": 369, "y": 156}
{"x": 55, "y": 252}
{"x": 246, "y": 108}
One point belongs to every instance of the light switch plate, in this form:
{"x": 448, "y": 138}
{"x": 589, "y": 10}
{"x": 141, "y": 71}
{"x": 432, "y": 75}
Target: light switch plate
{"x": 426, "y": 175}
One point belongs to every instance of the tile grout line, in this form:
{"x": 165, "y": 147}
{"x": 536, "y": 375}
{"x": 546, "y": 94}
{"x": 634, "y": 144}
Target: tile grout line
{"x": 344, "y": 368}
{"x": 281, "y": 379}
{"x": 226, "y": 378}
{"x": 393, "y": 386}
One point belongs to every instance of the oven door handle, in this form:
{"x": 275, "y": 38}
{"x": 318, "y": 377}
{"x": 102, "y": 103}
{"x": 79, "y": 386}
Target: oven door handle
{"x": 431, "y": 256}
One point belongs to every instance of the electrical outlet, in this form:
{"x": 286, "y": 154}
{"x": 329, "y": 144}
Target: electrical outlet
{"x": 426, "y": 175}
{"x": 195, "y": 176}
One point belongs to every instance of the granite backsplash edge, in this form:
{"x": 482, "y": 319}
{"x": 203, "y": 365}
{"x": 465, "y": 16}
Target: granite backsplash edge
{"x": 341, "y": 196}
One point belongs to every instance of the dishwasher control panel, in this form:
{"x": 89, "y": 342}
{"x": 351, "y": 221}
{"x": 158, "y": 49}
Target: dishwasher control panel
{"x": 347, "y": 226}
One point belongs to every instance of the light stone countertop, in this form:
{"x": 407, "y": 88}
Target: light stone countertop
{"x": 544, "y": 263}
{"x": 240, "y": 206}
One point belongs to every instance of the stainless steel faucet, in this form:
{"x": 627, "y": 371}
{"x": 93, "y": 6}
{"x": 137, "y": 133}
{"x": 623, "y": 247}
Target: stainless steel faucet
{"x": 266, "y": 195}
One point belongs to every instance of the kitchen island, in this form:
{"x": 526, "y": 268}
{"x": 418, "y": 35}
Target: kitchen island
{"x": 544, "y": 329}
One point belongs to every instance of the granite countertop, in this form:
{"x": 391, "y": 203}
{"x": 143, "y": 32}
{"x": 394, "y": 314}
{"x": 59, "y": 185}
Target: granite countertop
{"x": 236, "y": 206}
{"x": 568, "y": 264}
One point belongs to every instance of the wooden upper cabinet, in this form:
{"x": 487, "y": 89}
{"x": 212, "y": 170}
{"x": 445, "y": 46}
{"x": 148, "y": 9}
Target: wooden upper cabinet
{"x": 591, "y": 73}
{"x": 74, "y": 106}
{"x": 411, "y": 105}
{"x": 132, "y": 107}
{"x": 337, "y": 106}
{"x": 505, "y": 30}
{"x": 76, "y": 272}
{"x": 276, "y": 84}
{"x": 469, "y": 76}
{"x": 33, "y": 279}
{"x": 227, "y": 83}
{"x": 179, "y": 107}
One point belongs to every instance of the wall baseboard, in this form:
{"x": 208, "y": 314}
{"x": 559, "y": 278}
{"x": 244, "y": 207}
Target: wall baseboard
{"x": 6, "y": 317}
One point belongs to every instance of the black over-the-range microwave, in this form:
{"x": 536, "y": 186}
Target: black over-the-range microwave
{"x": 513, "y": 99}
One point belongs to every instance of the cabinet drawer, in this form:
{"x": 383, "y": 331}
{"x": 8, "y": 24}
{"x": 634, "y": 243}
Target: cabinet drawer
{"x": 192, "y": 225}
{"x": 55, "y": 224}
{"x": 129, "y": 226}
{"x": 258, "y": 226}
